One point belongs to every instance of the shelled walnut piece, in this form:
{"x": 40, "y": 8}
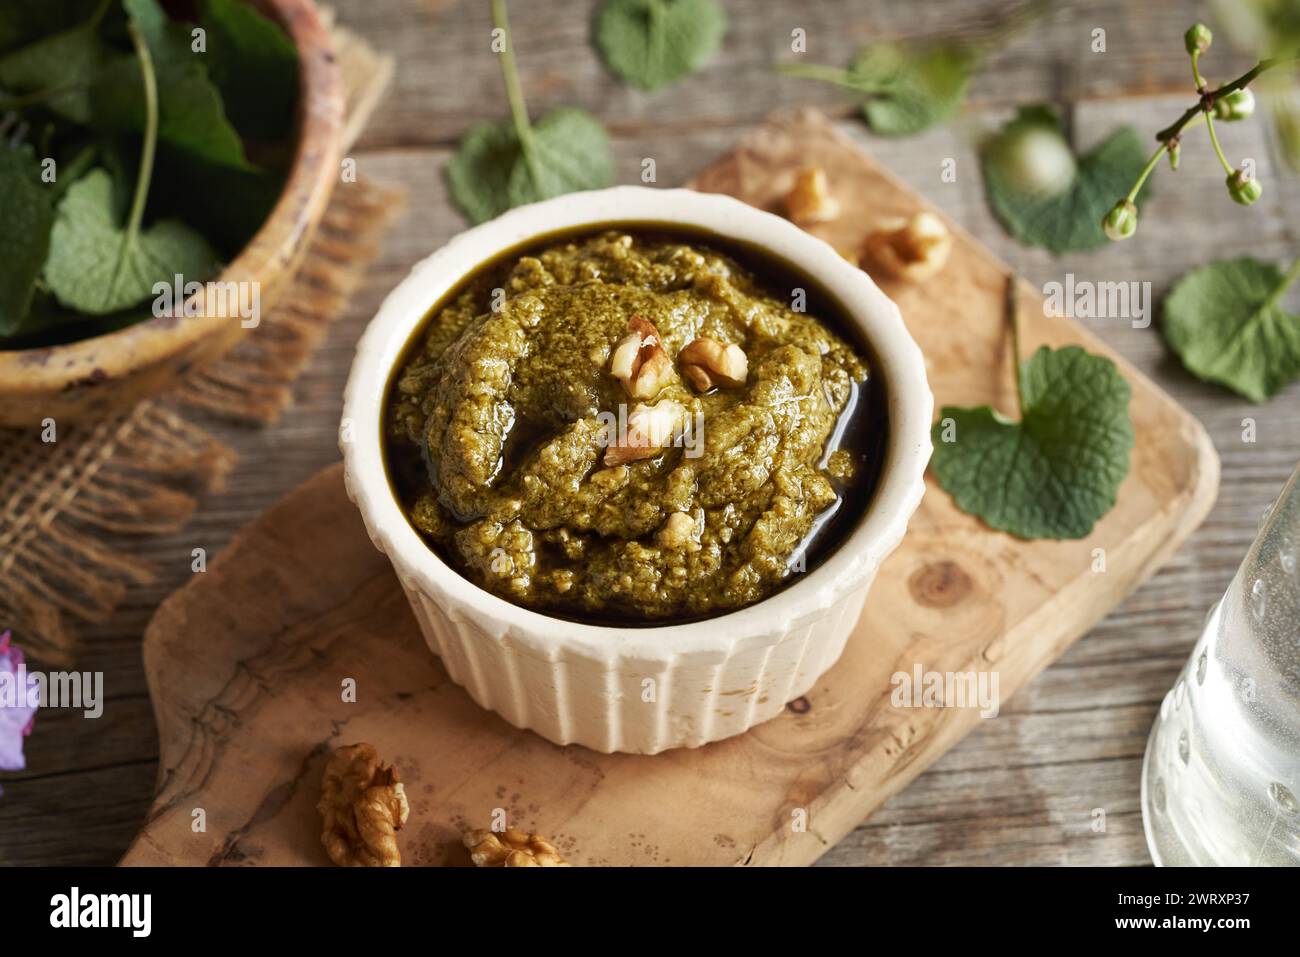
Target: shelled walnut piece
{"x": 810, "y": 200}
{"x": 707, "y": 363}
{"x": 363, "y": 805}
{"x": 512, "y": 848}
{"x": 912, "y": 250}
{"x": 639, "y": 360}
{"x": 649, "y": 429}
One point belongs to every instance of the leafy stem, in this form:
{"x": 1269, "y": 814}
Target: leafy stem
{"x": 976, "y": 46}
{"x": 145, "y": 174}
{"x": 826, "y": 74}
{"x": 500, "y": 165}
{"x": 514, "y": 90}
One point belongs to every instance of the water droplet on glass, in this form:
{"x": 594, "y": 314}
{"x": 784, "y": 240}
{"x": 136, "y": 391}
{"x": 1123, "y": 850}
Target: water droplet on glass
{"x": 1201, "y": 665}
{"x": 1184, "y": 746}
{"x": 1159, "y": 795}
{"x": 1258, "y": 599}
{"x": 1180, "y": 692}
{"x": 1287, "y": 559}
{"x": 1284, "y": 799}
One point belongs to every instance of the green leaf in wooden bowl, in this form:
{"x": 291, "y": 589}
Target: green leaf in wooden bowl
{"x": 27, "y": 217}
{"x": 97, "y": 266}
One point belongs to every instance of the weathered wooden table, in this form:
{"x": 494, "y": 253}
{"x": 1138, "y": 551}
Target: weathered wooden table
{"x": 1023, "y": 788}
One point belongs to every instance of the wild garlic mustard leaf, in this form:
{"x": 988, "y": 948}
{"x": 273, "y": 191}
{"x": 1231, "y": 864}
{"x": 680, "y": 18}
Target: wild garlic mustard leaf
{"x": 494, "y": 170}
{"x": 96, "y": 268}
{"x": 1227, "y": 324}
{"x": 910, "y": 87}
{"x": 1044, "y": 200}
{"x": 1057, "y": 471}
{"x": 652, "y": 43}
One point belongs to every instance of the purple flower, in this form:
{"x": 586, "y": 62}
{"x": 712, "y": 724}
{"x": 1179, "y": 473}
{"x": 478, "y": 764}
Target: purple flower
{"x": 18, "y": 697}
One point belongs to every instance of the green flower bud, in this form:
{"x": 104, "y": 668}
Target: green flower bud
{"x": 1237, "y": 105}
{"x": 1122, "y": 221}
{"x": 1198, "y": 38}
{"x": 1242, "y": 188}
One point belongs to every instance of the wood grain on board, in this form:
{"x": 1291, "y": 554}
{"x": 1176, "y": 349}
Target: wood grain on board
{"x": 246, "y": 663}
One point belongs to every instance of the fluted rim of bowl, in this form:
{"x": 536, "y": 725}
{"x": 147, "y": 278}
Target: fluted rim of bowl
{"x": 853, "y": 561}
{"x": 306, "y": 190}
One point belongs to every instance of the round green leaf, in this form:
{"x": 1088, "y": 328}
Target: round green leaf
{"x": 1067, "y": 217}
{"x": 493, "y": 170}
{"x": 1227, "y": 325}
{"x": 87, "y": 242}
{"x": 909, "y": 88}
{"x": 651, "y": 43}
{"x": 1058, "y": 470}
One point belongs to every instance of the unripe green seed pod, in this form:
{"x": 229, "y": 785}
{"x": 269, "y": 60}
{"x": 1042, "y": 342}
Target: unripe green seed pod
{"x": 1242, "y": 188}
{"x": 1237, "y": 105}
{"x": 1122, "y": 220}
{"x": 1198, "y": 38}
{"x": 1175, "y": 154}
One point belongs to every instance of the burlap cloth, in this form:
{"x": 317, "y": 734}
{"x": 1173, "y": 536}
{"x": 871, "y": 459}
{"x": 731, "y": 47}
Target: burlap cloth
{"x": 68, "y": 509}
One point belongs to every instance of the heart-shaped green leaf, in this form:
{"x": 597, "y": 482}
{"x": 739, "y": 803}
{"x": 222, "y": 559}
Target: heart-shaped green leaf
{"x": 97, "y": 267}
{"x": 493, "y": 170}
{"x": 910, "y": 88}
{"x": 1058, "y": 470}
{"x": 1227, "y": 323}
{"x": 1067, "y": 217}
{"x": 651, "y": 43}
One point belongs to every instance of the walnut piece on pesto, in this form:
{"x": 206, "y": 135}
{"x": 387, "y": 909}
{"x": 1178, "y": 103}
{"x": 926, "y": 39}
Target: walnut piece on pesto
{"x": 632, "y": 426}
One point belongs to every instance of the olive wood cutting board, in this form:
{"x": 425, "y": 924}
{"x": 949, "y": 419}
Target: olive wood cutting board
{"x": 246, "y": 663}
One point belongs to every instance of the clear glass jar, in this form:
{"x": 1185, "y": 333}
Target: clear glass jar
{"x": 1221, "y": 776}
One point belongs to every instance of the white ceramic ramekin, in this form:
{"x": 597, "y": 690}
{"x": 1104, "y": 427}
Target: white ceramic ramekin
{"x": 639, "y": 689}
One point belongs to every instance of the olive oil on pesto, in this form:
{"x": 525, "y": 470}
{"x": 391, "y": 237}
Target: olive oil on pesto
{"x": 490, "y": 449}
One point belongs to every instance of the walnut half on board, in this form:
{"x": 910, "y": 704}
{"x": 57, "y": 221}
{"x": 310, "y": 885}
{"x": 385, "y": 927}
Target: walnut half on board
{"x": 512, "y": 848}
{"x": 363, "y": 806}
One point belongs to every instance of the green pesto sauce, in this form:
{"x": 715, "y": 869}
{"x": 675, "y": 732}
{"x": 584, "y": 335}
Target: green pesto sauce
{"x": 495, "y": 444}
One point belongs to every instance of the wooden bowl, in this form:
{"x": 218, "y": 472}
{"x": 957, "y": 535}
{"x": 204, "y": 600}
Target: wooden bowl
{"x": 96, "y": 376}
